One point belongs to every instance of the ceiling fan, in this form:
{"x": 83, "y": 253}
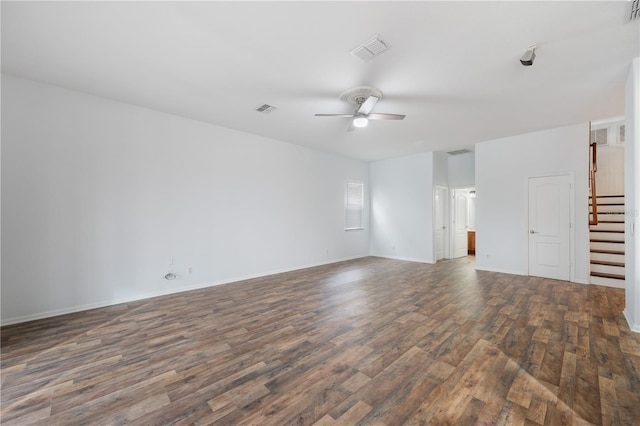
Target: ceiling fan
{"x": 364, "y": 98}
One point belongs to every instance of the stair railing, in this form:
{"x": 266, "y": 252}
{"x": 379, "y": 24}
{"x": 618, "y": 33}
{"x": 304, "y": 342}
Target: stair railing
{"x": 593, "y": 168}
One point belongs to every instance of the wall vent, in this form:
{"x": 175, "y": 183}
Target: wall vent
{"x": 370, "y": 49}
{"x": 459, "y": 151}
{"x": 621, "y": 133}
{"x": 600, "y": 136}
{"x": 608, "y": 132}
{"x": 633, "y": 11}
{"x": 266, "y": 108}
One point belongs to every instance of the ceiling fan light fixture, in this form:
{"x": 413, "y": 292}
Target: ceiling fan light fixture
{"x": 360, "y": 122}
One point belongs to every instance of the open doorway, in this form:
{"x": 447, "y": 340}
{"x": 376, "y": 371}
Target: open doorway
{"x": 441, "y": 215}
{"x": 463, "y": 222}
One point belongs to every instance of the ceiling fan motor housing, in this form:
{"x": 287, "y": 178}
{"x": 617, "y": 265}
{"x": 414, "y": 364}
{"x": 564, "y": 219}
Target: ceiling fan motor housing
{"x": 357, "y": 95}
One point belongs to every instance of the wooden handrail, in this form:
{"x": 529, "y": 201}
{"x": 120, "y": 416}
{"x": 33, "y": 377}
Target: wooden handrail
{"x": 593, "y": 168}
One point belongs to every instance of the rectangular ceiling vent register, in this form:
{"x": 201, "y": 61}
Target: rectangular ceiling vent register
{"x": 266, "y": 108}
{"x": 459, "y": 151}
{"x": 633, "y": 11}
{"x": 370, "y": 49}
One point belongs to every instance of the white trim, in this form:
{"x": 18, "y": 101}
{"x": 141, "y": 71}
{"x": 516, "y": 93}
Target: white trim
{"x": 607, "y": 121}
{"x": 505, "y": 271}
{"x": 572, "y": 230}
{"x": 451, "y": 201}
{"x": 408, "y": 259}
{"x": 445, "y": 219}
{"x": 502, "y": 271}
{"x": 586, "y": 282}
{"x": 103, "y": 304}
{"x": 632, "y": 326}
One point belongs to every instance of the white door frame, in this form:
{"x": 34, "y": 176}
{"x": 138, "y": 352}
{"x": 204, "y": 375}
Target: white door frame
{"x": 452, "y": 195}
{"x": 572, "y": 219}
{"x": 445, "y": 220}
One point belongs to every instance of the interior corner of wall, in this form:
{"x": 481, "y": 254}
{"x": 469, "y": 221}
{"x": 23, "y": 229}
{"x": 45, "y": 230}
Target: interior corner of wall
{"x": 634, "y": 326}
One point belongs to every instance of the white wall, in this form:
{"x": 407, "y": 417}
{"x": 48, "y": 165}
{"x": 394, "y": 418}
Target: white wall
{"x": 462, "y": 169}
{"x": 632, "y": 196}
{"x": 441, "y": 169}
{"x": 98, "y": 197}
{"x": 610, "y": 175}
{"x": 402, "y": 208}
{"x": 503, "y": 167}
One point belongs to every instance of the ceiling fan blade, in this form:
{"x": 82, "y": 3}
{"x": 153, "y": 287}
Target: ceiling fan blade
{"x": 334, "y": 115}
{"x": 367, "y": 105}
{"x": 382, "y": 116}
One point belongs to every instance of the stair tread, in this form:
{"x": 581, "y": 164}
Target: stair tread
{"x": 607, "y": 263}
{"x": 607, "y": 251}
{"x": 606, "y": 275}
{"x": 610, "y": 204}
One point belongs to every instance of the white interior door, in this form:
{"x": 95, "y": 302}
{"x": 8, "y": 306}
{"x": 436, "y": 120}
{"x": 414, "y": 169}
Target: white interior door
{"x": 440, "y": 228}
{"x": 460, "y": 224}
{"x": 550, "y": 227}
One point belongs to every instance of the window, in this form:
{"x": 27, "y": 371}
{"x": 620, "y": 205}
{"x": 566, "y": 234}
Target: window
{"x": 353, "y": 205}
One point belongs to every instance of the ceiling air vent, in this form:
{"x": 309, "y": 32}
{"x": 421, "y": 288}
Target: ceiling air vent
{"x": 633, "y": 11}
{"x": 459, "y": 151}
{"x": 370, "y": 49}
{"x": 266, "y": 108}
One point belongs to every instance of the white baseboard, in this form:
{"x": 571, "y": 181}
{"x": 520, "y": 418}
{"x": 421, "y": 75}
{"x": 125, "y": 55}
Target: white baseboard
{"x": 408, "y": 259}
{"x": 502, "y": 271}
{"x": 580, "y": 281}
{"x": 102, "y": 304}
{"x": 513, "y": 272}
{"x": 632, "y": 326}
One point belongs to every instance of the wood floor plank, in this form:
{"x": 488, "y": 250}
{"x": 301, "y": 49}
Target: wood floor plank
{"x": 369, "y": 341}
{"x": 353, "y": 415}
{"x": 608, "y": 402}
{"x": 537, "y": 411}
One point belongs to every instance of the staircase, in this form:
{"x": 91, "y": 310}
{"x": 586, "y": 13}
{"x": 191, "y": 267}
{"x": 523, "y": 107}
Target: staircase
{"x": 606, "y": 238}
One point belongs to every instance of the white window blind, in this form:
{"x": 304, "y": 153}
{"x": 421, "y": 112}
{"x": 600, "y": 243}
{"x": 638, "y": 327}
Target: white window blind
{"x": 353, "y": 205}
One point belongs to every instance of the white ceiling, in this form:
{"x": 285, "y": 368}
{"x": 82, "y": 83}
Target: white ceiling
{"x": 453, "y": 67}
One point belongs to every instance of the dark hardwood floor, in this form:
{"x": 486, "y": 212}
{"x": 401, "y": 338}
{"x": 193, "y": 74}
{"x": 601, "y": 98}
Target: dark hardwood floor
{"x": 369, "y": 341}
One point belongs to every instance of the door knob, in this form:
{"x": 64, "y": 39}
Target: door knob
{"x": 532, "y": 232}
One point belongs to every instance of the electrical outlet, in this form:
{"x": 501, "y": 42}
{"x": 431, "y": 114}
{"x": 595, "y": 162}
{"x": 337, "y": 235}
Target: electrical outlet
{"x": 190, "y": 270}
